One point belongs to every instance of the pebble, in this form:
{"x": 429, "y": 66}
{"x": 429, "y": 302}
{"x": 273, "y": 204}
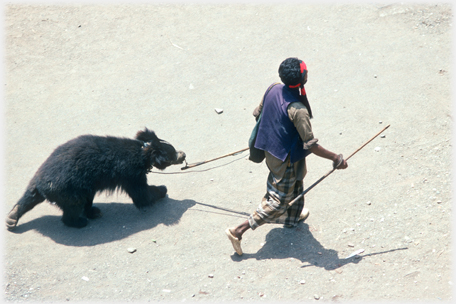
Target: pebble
{"x": 131, "y": 250}
{"x": 302, "y": 282}
{"x": 382, "y": 136}
{"x": 316, "y": 297}
{"x": 218, "y": 111}
{"x": 211, "y": 276}
{"x": 85, "y": 279}
{"x": 377, "y": 149}
{"x": 369, "y": 203}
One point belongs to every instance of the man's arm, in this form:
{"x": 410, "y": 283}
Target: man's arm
{"x": 322, "y": 152}
{"x": 299, "y": 115}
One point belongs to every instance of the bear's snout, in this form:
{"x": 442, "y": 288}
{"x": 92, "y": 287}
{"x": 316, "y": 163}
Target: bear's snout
{"x": 180, "y": 157}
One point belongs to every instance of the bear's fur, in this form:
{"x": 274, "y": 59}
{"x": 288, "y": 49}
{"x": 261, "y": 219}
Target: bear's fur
{"x": 78, "y": 169}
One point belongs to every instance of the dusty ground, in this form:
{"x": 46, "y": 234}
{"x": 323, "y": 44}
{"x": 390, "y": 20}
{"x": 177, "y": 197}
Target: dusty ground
{"x": 112, "y": 70}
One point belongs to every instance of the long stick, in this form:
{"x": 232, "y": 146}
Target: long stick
{"x": 327, "y": 174}
{"x": 206, "y": 161}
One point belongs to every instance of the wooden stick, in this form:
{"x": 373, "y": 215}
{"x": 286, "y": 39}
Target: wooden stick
{"x": 206, "y": 161}
{"x": 327, "y": 174}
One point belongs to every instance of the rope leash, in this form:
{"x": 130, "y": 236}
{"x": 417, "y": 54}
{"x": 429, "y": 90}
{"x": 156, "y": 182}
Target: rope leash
{"x": 198, "y": 171}
{"x": 243, "y": 150}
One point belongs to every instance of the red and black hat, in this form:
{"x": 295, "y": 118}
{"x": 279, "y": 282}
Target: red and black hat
{"x": 303, "y": 66}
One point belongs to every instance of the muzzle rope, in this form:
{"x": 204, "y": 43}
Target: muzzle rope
{"x": 198, "y": 171}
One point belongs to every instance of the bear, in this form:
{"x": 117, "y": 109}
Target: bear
{"x": 80, "y": 168}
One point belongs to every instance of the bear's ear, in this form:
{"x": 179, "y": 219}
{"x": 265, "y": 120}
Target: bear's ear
{"x": 147, "y": 136}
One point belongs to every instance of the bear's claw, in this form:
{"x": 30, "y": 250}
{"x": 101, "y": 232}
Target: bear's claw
{"x": 11, "y": 218}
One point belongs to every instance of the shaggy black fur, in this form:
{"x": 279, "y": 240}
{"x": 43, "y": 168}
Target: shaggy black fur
{"x": 78, "y": 169}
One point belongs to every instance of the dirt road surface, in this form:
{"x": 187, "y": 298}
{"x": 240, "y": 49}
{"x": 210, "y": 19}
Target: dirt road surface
{"x": 115, "y": 69}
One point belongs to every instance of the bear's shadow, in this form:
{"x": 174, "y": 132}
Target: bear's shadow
{"x": 118, "y": 221}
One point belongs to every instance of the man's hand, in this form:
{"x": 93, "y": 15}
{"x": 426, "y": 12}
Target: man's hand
{"x": 339, "y": 162}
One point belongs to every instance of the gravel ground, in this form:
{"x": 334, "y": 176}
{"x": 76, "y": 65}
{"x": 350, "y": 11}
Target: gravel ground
{"x": 115, "y": 69}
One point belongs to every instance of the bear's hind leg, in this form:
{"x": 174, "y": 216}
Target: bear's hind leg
{"x": 72, "y": 216}
{"x": 30, "y": 199}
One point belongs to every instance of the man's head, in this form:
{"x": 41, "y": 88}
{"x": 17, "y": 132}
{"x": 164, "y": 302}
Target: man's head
{"x": 293, "y": 72}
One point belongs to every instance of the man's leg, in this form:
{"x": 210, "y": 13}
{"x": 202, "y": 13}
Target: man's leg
{"x": 296, "y": 212}
{"x": 239, "y": 230}
{"x": 267, "y": 210}
{"x": 235, "y": 235}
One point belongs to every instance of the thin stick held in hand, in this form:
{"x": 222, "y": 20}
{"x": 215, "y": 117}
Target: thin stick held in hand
{"x": 327, "y": 174}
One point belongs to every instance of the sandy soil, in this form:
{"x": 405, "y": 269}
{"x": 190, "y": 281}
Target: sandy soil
{"x": 115, "y": 69}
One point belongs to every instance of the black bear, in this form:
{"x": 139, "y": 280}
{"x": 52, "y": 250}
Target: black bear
{"x": 78, "y": 169}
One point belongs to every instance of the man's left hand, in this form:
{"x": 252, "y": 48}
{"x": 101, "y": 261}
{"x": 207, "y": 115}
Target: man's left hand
{"x": 340, "y": 163}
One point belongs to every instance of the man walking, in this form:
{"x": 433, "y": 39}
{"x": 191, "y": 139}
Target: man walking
{"x": 285, "y": 134}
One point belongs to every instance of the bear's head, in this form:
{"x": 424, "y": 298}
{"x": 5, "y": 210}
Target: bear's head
{"x": 159, "y": 153}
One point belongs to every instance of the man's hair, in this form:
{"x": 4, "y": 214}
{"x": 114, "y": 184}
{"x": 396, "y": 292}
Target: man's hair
{"x": 290, "y": 71}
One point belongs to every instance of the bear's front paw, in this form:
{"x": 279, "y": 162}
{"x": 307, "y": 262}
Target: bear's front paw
{"x": 162, "y": 190}
{"x": 80, "y": 222}
{"x": 94, "y": 213}
{"x": 157, "y": 192}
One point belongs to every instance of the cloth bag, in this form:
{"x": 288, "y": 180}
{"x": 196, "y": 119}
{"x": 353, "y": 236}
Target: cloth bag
{"x": 257, "y": 155}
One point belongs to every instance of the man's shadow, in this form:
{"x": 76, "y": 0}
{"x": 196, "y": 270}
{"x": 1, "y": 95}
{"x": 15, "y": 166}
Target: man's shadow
{"x": 118, "y": 221}
{"x": 299, "y": 243}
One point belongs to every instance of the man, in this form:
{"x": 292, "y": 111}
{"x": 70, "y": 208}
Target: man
{"x": 285, "y": 134}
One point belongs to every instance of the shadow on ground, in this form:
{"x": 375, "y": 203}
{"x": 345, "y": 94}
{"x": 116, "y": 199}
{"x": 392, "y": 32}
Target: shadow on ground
{"x": 119, "y": 220}
{"x": 299, "y": 243}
